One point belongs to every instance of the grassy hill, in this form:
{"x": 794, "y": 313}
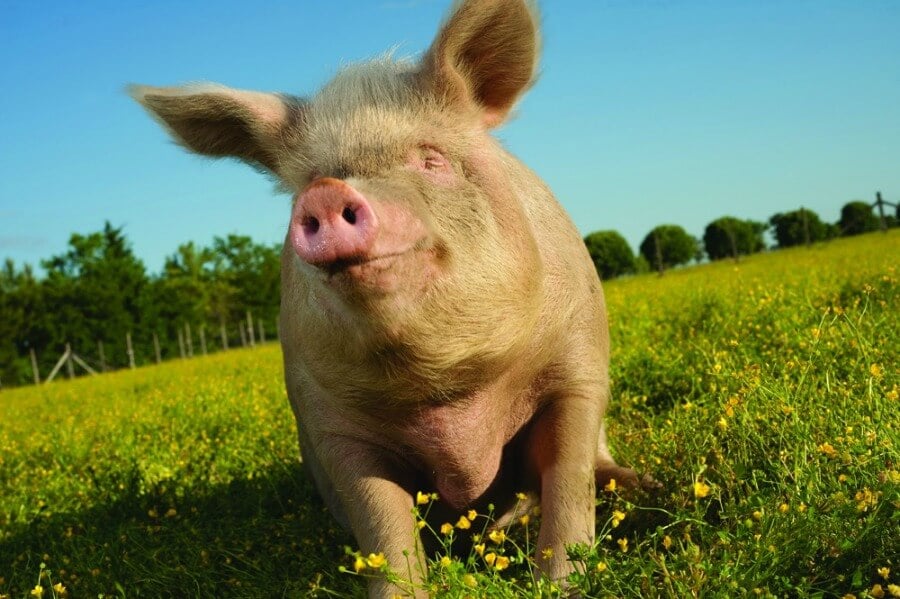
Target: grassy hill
{"x": 763, "y": 395}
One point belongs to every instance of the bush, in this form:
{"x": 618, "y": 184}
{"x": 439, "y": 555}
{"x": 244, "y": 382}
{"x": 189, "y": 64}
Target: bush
{"x": 857, "y": 217}
{"x": 730, "y": 237}
{"x": 611, "y": 254}
{"x": 669, "y": 245}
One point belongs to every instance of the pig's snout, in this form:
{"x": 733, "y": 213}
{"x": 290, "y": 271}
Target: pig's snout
{"x": 332, "y": 222}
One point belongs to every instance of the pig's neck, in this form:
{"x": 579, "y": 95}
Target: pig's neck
{"x": 432, "y": 359}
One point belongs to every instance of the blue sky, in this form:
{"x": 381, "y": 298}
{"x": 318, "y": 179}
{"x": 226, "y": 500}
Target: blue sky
{"x": 647, "y": 111}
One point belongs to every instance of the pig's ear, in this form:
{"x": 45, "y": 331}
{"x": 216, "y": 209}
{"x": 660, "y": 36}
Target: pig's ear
{"x": 485, "y": 53}
{"x": 219, "y": 121}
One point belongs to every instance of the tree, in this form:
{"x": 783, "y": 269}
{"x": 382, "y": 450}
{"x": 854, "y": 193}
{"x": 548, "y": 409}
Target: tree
{"x": 799, "y": 227}
{"x": 92, "y": 293}
{"x": 611, "y": 254}
{"x": 857, "y": 217}
{"x": 669, "y": 245}
{"x": 731, "y": 237}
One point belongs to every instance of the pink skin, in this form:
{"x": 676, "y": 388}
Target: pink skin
{"x": 362, "y": 241}
{"x": 332, "y": 222}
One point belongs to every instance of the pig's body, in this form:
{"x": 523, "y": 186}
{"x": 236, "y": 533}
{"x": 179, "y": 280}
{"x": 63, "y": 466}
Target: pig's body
{"x": 442, "y": 324}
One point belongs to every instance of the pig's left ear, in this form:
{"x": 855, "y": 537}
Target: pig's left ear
{"x": 486, "y": 53}
{"x": 218, "y": 121}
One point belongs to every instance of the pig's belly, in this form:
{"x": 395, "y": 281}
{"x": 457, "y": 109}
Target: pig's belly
{"x": 460, "y": 450}
{"x": 461, "y": 485}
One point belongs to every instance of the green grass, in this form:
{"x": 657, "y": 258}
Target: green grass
{"x": 762, "y": 395}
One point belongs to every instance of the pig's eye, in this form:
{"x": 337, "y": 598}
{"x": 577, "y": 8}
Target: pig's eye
{"x": 433, "y": 160}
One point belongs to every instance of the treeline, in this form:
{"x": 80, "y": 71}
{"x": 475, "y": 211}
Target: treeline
{"x": 98, "y": 294}
{"x": 729, "y": 237}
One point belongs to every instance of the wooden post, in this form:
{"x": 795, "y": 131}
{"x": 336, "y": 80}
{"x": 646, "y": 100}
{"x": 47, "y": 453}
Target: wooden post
{"x": 190, "y": 341}
{"x": 181, "y": 343}
{"x": 223, "y": 334}
{"x": 203, "y": 339}
{"x": 250, "y": 329}
{"x": 805, "y": 226}
{"x": 880, "y": 203}
{"x": 83, "y": 364}
{"x": 130, "y": 350}
{"x": 34, "y": 366}
{"x": 243, "y": 335}
{"x": 659, "y": 263}
{"x": 156, "y": 348}
{"x": 70, "y": 369}
{"x": 262, "y": 331}
{"x": 102, "y": 356}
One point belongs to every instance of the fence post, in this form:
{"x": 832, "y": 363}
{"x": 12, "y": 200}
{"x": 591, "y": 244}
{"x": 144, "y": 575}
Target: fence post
{"x": 188, "y": 339}
{"x": 70, "y": 369}
{"x": 181, "y": 343}
{"x": 156, "y": 348}
{"x": 223, "y": 335}
{"x": 805, "y": 226}
{"x": 880, "y": 203}
{"x": 250, "y": 329}
{"x": 203, "y": 338}
{"x": 102, "y": 356}
{"x": 34, "y": 366}
{"x": 130, "y": 350}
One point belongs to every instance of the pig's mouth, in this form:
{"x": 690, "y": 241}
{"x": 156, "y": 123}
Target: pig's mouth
{"x": 383, "y": 272}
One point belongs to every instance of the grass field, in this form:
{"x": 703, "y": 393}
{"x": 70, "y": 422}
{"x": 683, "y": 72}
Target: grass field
{"x": 763, "y": 396}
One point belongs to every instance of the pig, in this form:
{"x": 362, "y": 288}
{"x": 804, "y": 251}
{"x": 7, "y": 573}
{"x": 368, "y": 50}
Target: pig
{"x": 442, "y": 326}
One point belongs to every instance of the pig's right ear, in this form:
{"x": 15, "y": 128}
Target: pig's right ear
{"x": 219, "y": 121}
{"x": 485, "y": 56}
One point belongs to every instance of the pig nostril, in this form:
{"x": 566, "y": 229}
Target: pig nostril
{"x": 349, "y": 215}
{"x": 311, "y": 225}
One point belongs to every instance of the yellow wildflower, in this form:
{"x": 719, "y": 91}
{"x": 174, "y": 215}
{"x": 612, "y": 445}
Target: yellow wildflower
{"x": 876, "y": 370}
{"x": 876, "y": 591}
{"x": 547, "y": 552}
{"x": 422, "y": 498}
{"x": 375, "y": 560}
{"x": 757, "y": 515}
{"x": 359, "y": 564}
{"x": 479, "y": 548}
{"x": 497, "y": 536}
{"x": 420, "y": 524}
{"x": 784, "y": 508}
{"x": 828, "y": 449}
{"x": 489, "y": 558}
{"x": 37, "y": 591}
{"x": 610, "y": 487}
{"x": 446, "y": 528}
{"x": 463, "y": 523}
{"x": 601, "y": 567}
{"x": 446, "y": 561}
{"x": 701, "y": 489}
{"x": 667, "y": 541}
{"x": 884, "y": 572}
{"x": 524, "y": 520}
{"x": 472, "y": 515}
{"x": 502, "y": 562}
{"x": 60, "y": 589}
{"x": 521, "y": 496}
{"x": 623, "y": 544}
{"x": 894, "y": 590}
{"x": 469, "y": 581}
{"x": 617, "y": 517}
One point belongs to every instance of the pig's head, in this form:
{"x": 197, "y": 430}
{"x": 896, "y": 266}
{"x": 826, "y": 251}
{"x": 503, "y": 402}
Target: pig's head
{"x": 402, "y": 200}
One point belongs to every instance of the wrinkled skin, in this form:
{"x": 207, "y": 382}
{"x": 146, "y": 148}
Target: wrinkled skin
{"x": 443, "y": 327}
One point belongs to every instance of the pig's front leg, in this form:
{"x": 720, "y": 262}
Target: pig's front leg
{"x": 563, "y": 448}
{"x": 379, "y": 511}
